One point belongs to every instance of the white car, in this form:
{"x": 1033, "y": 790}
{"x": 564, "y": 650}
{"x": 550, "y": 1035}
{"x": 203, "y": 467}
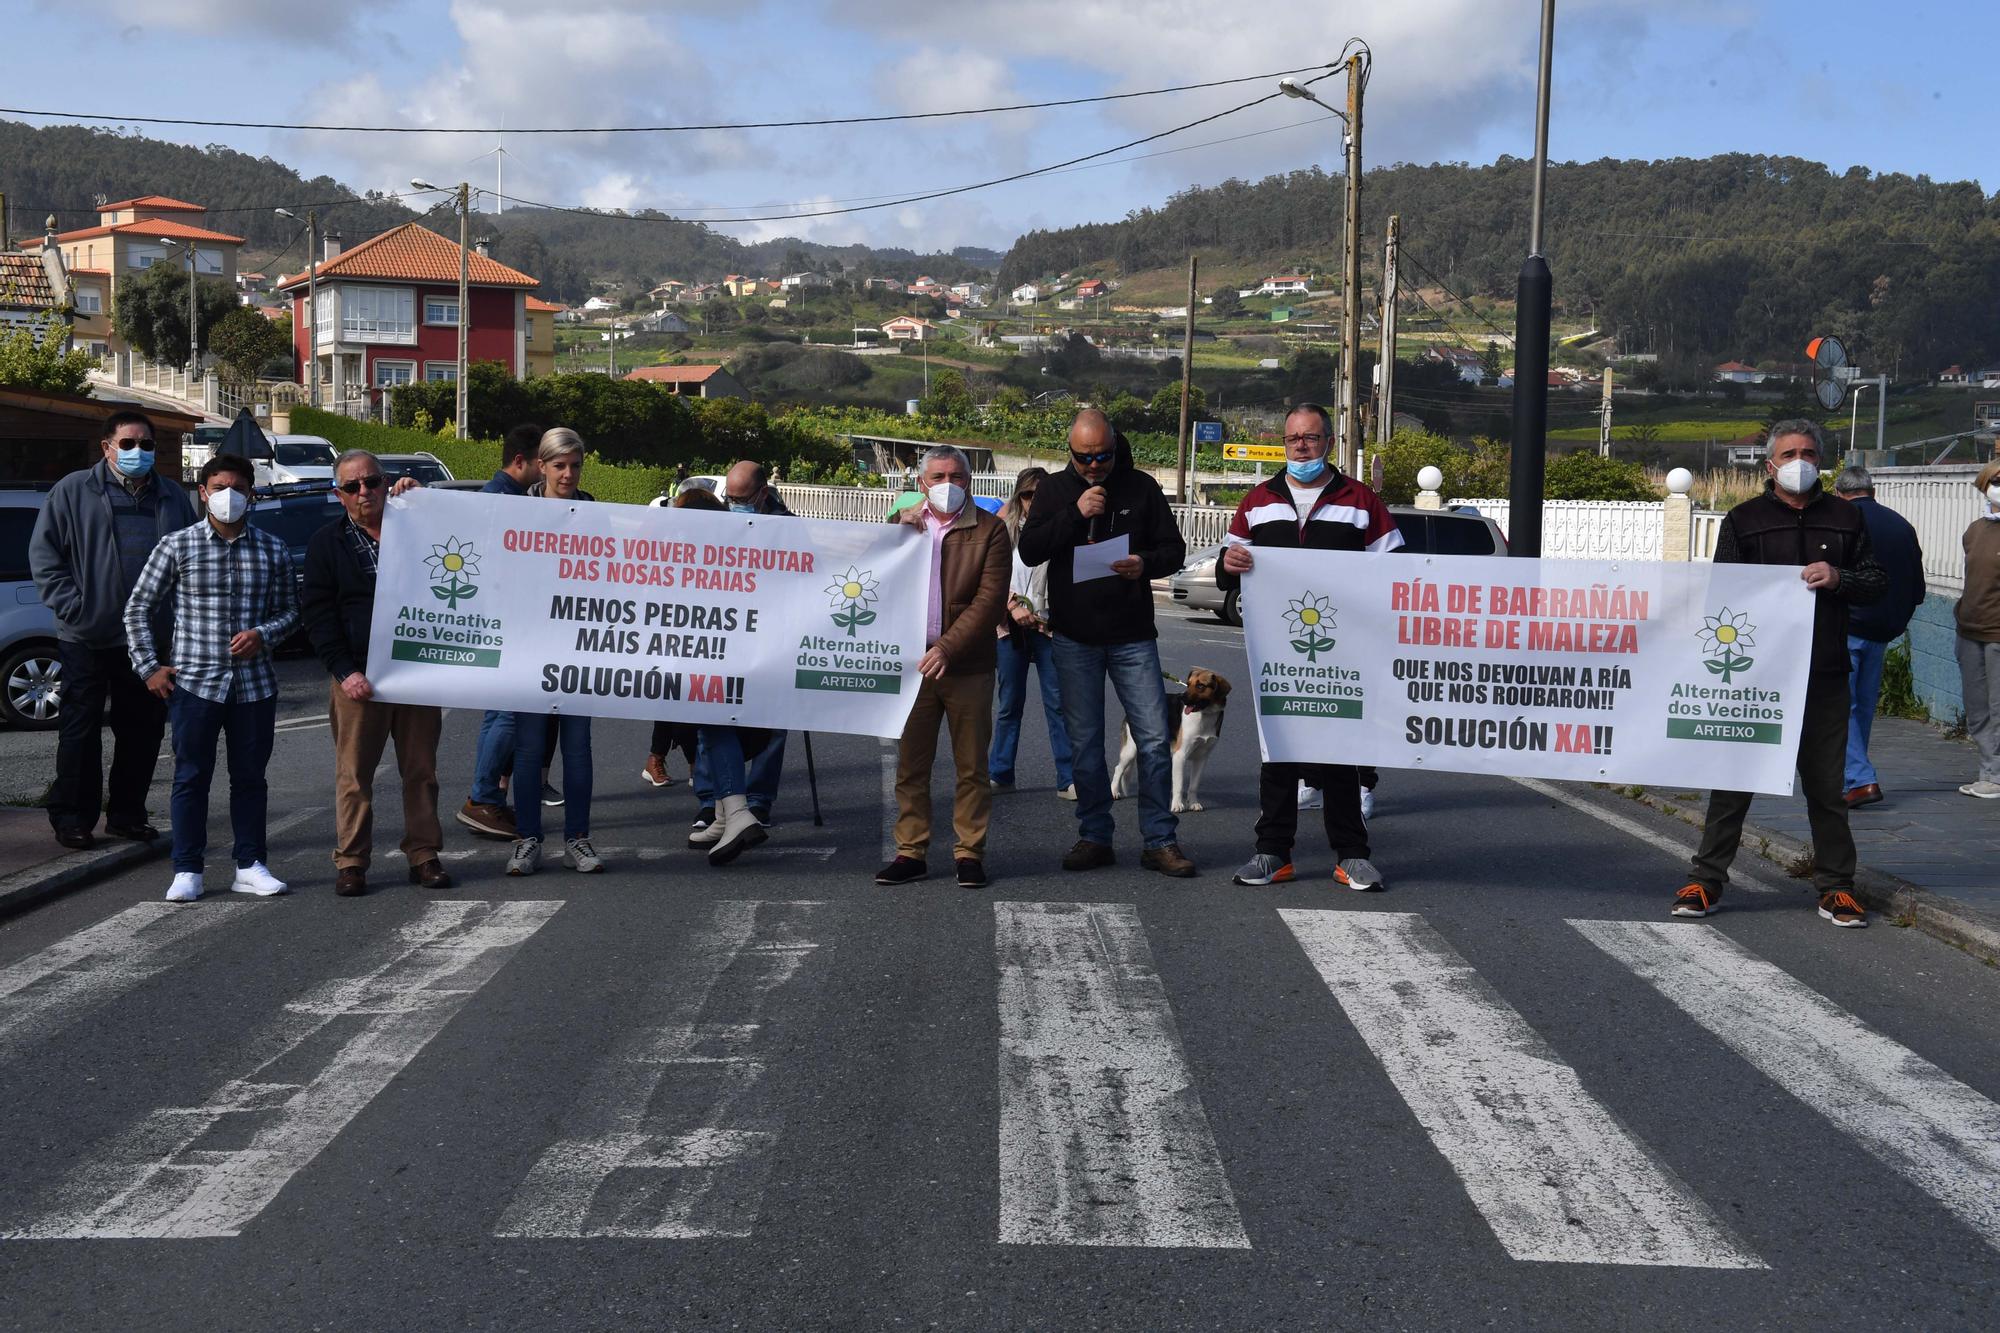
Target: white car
{"x": 301, "y": 458}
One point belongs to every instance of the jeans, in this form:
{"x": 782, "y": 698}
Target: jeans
{"x": 531, "y": 740}
{"x": 249, "y": 731}
{"x": 1865, "y": 656}
{"x": 1134, "y": 672}
{"x": 767, "y": 767}
{"x": 1822, "y": 744}
{"x": 138, "y": 721}
{"x": 1017, "y": 652}
{"x": 719, "y": 750}
{"x": 496, "y": 752}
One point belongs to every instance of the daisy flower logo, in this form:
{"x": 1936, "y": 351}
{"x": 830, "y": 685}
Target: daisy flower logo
{"x": 852, "y": 592}
{"x": 451, "y": 564}
{"x": 1307, "y": 620}
{"x": 1723, "y": 638}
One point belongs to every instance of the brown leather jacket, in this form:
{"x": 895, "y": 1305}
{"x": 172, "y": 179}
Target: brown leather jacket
{"x": 975, "y": 567}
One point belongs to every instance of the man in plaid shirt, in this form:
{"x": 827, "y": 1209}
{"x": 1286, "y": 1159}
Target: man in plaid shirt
{"x": 237, "y": 599}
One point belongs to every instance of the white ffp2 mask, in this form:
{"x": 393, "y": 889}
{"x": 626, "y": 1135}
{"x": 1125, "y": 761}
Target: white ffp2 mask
{"x": 1798, "y": 476}
{"x": 946, "y": 497}
{"x": 227, "y": 505}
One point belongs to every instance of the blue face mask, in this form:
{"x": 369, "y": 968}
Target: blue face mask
{"x": 1306, "y": 471}
{"x": 135, "y": 462}
{"x": 738, "y": 507}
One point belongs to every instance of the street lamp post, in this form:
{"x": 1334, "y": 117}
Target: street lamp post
{"x": 1348, "y": 408}
{"x": 312, "y": 299}
{"x": 463, "y": 203}
{"x": 194, "y": 357}
{"x": 1531, "y": 341}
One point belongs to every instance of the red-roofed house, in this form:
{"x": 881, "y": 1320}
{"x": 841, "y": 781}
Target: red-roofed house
{"x": 127, "y": 239}
{"x": 1090, "y": 289}
{"x": 908, "y": 327}
{"x": 388, "y": 314}
{"x": 540, "y": 343}
{"x": 1735, "y": 372}
{"x": 1283, "y": 284}
{"x": 693, "y": 381}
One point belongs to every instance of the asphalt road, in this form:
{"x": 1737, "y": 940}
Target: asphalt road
{"x": 777, "y": 1096}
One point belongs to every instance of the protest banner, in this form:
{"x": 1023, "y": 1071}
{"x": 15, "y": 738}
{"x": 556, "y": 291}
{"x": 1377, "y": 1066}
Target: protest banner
{"x": 547, "y": 606}
{"x": 1599, "y": 671}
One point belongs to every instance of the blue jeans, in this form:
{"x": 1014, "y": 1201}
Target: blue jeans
{"x": 1134, "y": 671}
{"x": 1018, "y": 651}
{"x": 767, "y": 767}
{"x": 496, "y": 751}
{"x": 1865, "y": 656}
{"x": 531, "y": 739}
{"x": 718, "y": 751}
{"x": 197, "y": 725}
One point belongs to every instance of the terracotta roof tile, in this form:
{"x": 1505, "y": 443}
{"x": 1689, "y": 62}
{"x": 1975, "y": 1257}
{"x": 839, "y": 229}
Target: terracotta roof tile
{"x": 179, "y": 231}
{"x": 24, "y": 283}
{"x": 413, "y": 253}
{"x": 538, "y": 305}
{"x": 673, "y": 374}
{"x": 154, "y": 201}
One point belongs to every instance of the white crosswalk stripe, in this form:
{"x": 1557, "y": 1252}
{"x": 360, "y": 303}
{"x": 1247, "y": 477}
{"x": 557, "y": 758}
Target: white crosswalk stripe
{"x": 1103, "y": 1140}
{"x": 672, "y": 1136}
{"x": 1937, "y": 1132}
{"x": 47, "y": 991}
{"x": 176, "y": 1174}
{"x": 1554, "y": 1174}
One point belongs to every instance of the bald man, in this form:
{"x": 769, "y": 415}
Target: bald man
{"x": 1103, "y": 628}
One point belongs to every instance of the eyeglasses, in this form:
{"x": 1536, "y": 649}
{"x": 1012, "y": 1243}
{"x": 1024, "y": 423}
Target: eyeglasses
{"x": 1090, "y": 460}
{"x": 124, "y": 442}
{"x": 1027, "y": 496}
{"x": 1314, "y": 438}
{"x": 359, "y": 484}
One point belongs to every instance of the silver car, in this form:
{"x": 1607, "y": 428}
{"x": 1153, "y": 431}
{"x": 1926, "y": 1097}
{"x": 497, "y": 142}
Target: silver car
{"x": 30, "y": 665}
{"x": 1425, "y": 531}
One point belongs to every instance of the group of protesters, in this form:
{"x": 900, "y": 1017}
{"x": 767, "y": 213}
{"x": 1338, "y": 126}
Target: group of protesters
{"x": 171, "y": 613}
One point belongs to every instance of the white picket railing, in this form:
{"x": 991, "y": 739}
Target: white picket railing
{"x": 1605, "y": 529}
{"x": 1940, "y": 504}
{"x": 860, "y": 504}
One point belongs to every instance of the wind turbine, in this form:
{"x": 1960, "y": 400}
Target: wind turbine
{"x": 498, "y": 153}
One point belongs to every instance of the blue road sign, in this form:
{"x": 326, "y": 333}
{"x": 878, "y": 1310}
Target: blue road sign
{"x": 1208, "y": 432}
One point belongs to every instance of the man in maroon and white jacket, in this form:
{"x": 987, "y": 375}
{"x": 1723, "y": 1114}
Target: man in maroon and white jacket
{"x": 1309, "y": 506}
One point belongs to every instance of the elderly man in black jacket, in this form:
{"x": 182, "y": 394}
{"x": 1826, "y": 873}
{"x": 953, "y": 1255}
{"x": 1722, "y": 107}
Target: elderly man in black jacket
{"x": 1795, "y": 522}
{"x": 1104, "y": 628}
{"x": 339, "y": 603}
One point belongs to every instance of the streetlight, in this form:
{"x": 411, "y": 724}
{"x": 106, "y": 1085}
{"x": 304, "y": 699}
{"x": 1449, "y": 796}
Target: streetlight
{"x": 464, "y": 206}
{"x": 312, "y": 297}
{"x": 1527, "y": 474}
{"x": 1350, "y": 300}
{"x": 194, "y": 360}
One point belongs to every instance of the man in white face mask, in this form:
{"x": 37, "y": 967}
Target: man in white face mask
{"x": 237, "y": 597}
{"x": 971, "y": 562}
{"x": 1796, "y": 522}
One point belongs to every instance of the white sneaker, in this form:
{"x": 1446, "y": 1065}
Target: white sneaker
{"x": 185, "y": 888}
{"x": 1984, "y": 790}
{"x": 1368, "y": 803}
{"x": 527, "y": 857}
{"x": 1310, "y": 798}
{"x": 583, "y": 857}
{"x": 1066, "y": 793}
{"x": 256, "y": 878}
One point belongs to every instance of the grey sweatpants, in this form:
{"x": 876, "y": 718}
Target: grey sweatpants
{"x": 1979, "y": 676}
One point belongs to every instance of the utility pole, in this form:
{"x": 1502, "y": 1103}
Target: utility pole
{"x": 1531, "y": 342}
{"x": 1185, "y": 449}
{"x": 1385, "y": 365}
{"x": 194, "y": 345}
{"x": 1350, "y": 297}
{"x": 464, "y": 284}
{"x": 1604, "y": 419}
{"x": 312, "y": 299}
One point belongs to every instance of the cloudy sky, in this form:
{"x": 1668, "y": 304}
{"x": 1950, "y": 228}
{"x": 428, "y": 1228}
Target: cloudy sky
{"x": 1908, "y": 89}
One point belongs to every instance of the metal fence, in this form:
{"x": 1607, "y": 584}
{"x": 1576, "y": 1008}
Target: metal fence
{"x": 1940, "y": 504}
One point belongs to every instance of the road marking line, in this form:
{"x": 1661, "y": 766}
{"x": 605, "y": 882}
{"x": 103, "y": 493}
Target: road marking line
{"x": 1103, "y": 1140}
{"x": 1634, "y": 829}
{"x": 890, "y": 809}
{"x": 47, "y": 991}
{"x": 671, "y": 1136}
{"x": 1552, "y": 1171}
{"x": 210, "y": 1168}
{"x": 1934, "y": 1130}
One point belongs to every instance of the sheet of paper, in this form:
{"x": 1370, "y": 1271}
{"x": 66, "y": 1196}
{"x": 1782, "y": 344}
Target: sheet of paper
{"x": 1094, "y": 561}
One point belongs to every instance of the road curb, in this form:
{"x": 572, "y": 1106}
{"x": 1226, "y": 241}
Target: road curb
{"x": 1956, "y": 923}
{"x": 29, "y": 888}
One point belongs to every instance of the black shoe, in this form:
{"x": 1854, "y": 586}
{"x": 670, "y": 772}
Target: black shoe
{"x": 971, "y": 874}
{"x": 1088, "y": 855}
{"x": 76, "y": 839}
{"x": 902, "y": 870}
{"x": 141, "y": 832}
{"x": 703, "y": 818}
{"x": 762, "y": 814}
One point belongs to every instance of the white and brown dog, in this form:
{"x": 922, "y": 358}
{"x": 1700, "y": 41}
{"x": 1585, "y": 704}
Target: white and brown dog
{"x": 1194, "y": 724}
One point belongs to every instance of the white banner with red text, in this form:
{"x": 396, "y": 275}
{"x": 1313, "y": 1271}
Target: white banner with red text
{"x": 537, "y": 605}
{"x": 1689, "y": 675}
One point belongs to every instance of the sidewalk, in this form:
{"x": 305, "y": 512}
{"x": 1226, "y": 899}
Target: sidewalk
{"x": 38, "y": 868}
{"x": 1928, "y": 854}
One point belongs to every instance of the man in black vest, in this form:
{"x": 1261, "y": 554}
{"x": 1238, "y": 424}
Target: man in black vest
{"x": 1795, "y": 522}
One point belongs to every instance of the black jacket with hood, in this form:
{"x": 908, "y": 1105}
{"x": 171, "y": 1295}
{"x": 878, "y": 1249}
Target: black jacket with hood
{"x": 1110, "y": 610}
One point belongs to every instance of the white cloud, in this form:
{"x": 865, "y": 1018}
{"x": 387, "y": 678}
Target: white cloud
{"x": 260, "y": 17}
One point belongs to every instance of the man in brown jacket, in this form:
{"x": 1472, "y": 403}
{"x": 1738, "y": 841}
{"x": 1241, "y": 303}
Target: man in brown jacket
{"x": 971, "y": 560}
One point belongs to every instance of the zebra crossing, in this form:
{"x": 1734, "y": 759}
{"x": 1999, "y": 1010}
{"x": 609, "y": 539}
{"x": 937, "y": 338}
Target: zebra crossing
{"x": 1102, "y": 1137}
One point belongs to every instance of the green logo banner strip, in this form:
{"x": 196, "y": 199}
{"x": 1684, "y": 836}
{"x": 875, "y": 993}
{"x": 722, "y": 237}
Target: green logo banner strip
{"x": 1747, "y": 733}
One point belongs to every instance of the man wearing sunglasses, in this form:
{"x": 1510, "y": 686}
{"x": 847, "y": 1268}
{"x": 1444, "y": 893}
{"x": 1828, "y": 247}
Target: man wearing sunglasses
{"x": 1104, "y": 629}
{"x": 339, "y": 604}
{"x": 90, "y": 542}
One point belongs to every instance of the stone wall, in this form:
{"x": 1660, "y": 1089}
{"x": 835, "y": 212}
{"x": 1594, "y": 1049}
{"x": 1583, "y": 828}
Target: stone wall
{"x": 1933, "y": 659}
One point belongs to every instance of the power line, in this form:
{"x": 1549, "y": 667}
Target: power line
{"x": 1423, "y": 268}
{"x": 656, "y": 129}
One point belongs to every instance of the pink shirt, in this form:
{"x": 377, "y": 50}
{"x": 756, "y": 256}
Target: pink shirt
{"x": 937, "y": 527}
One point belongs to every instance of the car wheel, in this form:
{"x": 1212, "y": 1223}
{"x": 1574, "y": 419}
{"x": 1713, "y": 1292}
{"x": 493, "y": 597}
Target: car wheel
{"x": 1232, "y": 613}
{"x": 31, "y": 687}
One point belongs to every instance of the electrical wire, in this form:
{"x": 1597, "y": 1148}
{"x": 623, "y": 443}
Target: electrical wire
{"x": 1439, "y": 283}
{"x": 661, "y": 129}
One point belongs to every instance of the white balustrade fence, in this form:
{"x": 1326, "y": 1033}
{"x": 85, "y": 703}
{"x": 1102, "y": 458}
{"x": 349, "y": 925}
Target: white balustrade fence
{"x": 859, "y": 504}
{"x": 1940, "y": 504}
{"x": 1605, "y": 529}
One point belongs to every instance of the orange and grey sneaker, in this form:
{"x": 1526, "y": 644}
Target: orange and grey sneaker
{"x": 1841, "y": 908}
{"x": 1697, "y": 900}
{"x": 1357, "y": 873}
{"x": 1263, "y": 868}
